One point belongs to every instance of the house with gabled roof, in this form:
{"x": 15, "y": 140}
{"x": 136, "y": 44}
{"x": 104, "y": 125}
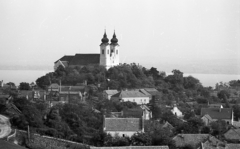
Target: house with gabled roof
{"x": 133, "y": 96}
{"x": 107, "y": 94}
{"x": 220, "y": 113}
{"x": 123, "y": 126}
{"x": 207, "y": 119}
{"x": 232, "y": 135}
{"x": 193, "y": 140}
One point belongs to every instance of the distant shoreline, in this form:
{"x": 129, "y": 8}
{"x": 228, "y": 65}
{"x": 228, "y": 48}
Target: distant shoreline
{"x": 167, "y": 73}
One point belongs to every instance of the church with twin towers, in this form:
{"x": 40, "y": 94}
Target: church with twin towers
{"x": 108, "y": 56}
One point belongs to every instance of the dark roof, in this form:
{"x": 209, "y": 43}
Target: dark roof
{"x": 214, "y": 113}
{"x": 182, "y": 140}
{"x": 67, "y": 58}
{"x": 136, "y": 112}
{"x": 123, "y": 124}
{"x": 123, "y": 94}
{"x": 85, "y": 59}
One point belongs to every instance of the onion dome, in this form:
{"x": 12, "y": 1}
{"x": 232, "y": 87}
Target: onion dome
{"x": 105, "y": 39}
{"x": 114, "y": 40}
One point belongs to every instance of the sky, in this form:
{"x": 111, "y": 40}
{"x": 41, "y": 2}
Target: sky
{"x": 194, "y": 36}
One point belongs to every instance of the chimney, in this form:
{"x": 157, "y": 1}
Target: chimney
{"x": 220, "y": 108}
{"x": 104, "y": 127}
{"x": 142, "y": 120}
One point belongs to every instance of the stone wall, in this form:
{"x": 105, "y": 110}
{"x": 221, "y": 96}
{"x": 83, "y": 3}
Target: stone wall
{"x": 37, "y": 141}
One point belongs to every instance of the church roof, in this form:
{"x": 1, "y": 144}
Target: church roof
{"x": 85, "y": 59}
{"x": 67, "y": 58}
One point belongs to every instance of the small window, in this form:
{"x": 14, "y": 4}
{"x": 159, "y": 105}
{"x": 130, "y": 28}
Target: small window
{"x": 108, "y": 51}
{"x": 102, "y": 51}
{"x": 123, "y": 135}
{"x": 117, "y": 52}
{"x": 133, "y": 100}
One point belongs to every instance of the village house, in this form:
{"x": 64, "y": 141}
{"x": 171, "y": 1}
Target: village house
{"x": 133, "y": 96}
{"x": 232, "y": 135}
{"x": 220, "y": 113}
{"x": 107, "y": 94}
{"x": 206, "y": 119}
{"x": 192, "y": 140}
{"x": 176, "y": 111}
{"x": 123, "y": 126}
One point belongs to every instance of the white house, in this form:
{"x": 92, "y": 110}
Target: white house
{"x": 123, "y": 126}
{"x": 133, "y": 96}
{"x": 176, "y": 111}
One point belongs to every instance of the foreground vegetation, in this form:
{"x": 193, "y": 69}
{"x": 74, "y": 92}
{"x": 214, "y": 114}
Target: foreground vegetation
{"x": 79, "y": 122}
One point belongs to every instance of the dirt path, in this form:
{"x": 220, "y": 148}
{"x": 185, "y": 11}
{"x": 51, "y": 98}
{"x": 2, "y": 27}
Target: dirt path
{"x": 5, "y": 126}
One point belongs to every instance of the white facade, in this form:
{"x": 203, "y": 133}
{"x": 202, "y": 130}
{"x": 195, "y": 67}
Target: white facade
{"x": 109, "y": 55}
{"x": 176, "y": 112}
{"x": 138, "y": 100}
{"x": 121, "y": 133}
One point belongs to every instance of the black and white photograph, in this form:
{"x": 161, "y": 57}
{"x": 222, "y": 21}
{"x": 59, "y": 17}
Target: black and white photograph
{"x": 119, "y": 74}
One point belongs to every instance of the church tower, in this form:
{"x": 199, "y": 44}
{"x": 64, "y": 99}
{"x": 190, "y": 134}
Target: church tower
{"x": 109, "y": 53}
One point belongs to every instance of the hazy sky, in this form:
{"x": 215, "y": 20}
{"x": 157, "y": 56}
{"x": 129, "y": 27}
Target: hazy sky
{"x": 194, "y": 36}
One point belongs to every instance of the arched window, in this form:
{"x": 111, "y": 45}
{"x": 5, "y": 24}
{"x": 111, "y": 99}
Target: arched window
{"x": 108, "y": 51}
{"x": 102, "y": 51}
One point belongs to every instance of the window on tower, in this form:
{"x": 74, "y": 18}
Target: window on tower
{"x": 108, "y": 51}
{"x": 102, "y": 51}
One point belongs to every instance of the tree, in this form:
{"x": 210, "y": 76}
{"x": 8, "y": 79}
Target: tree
{"x": 218, "y": 127}
{"x": 24, "y": 86}
{"x": 11, "y": 83}
{"x": 141, "y": 139}
{"x": 223, "y": 94}
{"x": 236, "y": 111}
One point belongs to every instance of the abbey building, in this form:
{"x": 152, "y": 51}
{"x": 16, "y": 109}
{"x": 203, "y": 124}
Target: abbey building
{"x": 108, "y": 57}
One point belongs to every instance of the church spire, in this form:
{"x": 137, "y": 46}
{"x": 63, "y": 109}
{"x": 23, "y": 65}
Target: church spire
{"x": 114, "y": 39}
{"x": 105, "y": 39}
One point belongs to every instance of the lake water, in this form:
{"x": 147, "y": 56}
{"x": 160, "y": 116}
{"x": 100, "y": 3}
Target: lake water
{"x": 29, "y": 76}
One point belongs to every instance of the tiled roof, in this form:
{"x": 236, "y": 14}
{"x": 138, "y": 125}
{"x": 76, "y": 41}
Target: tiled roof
{"x": 111, "y": 92}
{"x": 67, "y": 58}
{"x": 124, "y": 94}
{"x": 123, "y": 124}
{"x": 213, "y": 143}
{"x": 182, "y": 140}
{"x": 132, "y": 147}
{"x": 151, "y": 89}
{"x": 85, "y": 59}
{"x": 144, "y": 92}
{"x": 214, "y": 113}
{"x": 232, "y": 146}
{"x": 133, "y": 112}
{"x": 232, "y": 134}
